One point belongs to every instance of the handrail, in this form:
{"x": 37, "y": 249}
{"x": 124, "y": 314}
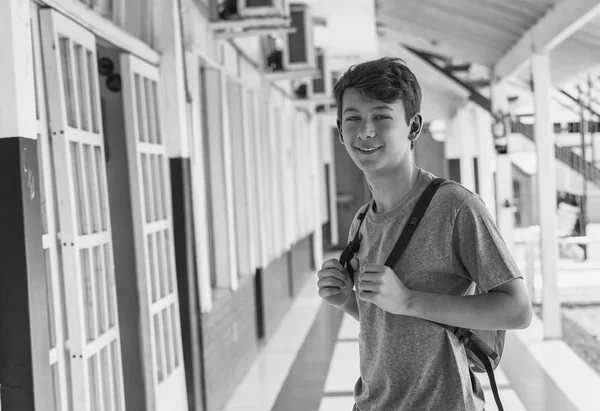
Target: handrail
{"x": 564, "y": 154}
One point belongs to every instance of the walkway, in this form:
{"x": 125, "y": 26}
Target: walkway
{"x": 311, "y": 364}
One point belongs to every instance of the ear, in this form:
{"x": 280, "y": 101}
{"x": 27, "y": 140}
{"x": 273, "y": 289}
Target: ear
{"x": 416, "y": 126}
{"x": 339, "y": 127}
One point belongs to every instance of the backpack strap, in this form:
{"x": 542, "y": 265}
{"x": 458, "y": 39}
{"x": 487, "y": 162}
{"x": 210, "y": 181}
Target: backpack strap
{"x": 352, "y": 248}
{"x": 413, "y": 221}
{"x": 464, "y": 335}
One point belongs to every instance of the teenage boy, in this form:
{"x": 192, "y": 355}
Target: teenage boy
{"x": 406, "y": 361}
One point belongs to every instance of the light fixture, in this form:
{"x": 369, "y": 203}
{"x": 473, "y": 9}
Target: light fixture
{"x": 437, "y": 130}
{"x": 500, "y": 128}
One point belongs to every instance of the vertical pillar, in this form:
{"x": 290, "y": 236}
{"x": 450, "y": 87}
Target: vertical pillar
{"x": 546, "y": 171}
{"x": 486, "y": 156}
{"x": 504, "y": 189}
{"x": 466, "y": 154}
{"x": 172, "y": 77}
{"x": 25, "y": 379}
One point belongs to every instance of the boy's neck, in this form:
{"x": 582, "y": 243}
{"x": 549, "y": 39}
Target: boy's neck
{"x": 390, "y": 190}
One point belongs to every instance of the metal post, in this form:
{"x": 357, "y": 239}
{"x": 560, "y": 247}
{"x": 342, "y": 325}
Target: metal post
{"x": 583, "y": 219}
{"x": 546, "y": 171}
{"x": 530, "y": 257}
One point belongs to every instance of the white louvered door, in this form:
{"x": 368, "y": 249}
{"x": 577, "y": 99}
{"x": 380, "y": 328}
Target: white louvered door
{"x": 77, "y": 145}
{"x": 57, "y": 324}
{"x": 152, "y": 220}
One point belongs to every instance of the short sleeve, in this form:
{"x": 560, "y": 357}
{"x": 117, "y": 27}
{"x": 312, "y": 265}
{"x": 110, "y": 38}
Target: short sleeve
{"x": 480, "y": 247}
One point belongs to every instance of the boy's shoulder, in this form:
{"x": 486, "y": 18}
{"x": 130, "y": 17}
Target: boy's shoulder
{"x": 454, "y": 195}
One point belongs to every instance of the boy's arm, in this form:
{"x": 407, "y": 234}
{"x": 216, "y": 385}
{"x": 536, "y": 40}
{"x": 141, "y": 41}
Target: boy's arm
{"x": 351, "y": 306}
{"x": 482, "y": 251}
{"x": 504, "y": 307}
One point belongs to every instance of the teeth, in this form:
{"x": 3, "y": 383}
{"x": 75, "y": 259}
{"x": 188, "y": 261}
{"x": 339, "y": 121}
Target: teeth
{"x": 368, "y": 149}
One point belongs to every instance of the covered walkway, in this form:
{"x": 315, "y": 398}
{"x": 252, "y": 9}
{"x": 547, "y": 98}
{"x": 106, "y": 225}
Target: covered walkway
{"x": 172, "y": 179}
{"x": 312, "y": 364}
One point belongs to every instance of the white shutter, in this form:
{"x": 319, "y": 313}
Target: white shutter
{"x": 150, "y": 182}
{"x": 59, "y": 354}
{"x": 85, "y": 233}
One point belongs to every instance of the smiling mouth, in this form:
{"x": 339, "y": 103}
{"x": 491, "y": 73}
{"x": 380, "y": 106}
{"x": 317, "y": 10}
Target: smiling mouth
{"x": 367, "y": 150}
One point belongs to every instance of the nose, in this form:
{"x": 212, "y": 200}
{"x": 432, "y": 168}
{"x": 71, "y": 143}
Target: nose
{"x": 367, "y": 130}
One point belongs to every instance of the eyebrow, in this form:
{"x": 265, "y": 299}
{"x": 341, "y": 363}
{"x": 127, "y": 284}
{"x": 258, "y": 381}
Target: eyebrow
{"x": 352, "y": 109}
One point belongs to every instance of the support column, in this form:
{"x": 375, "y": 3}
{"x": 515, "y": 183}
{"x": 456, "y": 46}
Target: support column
{"x": 486, "y": 158}
{"x": 25, "y": 378}
{"x": 546, "y": 172}
{"x": 466, "y": 133}
{"x": 504, "y": 189}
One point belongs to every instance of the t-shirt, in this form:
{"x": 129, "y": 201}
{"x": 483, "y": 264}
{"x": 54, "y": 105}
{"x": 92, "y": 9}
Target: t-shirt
{"x": 411, "y": 364}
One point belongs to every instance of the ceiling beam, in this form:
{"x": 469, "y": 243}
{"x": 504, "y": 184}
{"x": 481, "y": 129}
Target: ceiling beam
{"x": 474, "y": 95}
{"x": 561, "y": 22}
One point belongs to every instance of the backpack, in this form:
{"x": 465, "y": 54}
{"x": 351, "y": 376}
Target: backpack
{"x": 483, "y": 347}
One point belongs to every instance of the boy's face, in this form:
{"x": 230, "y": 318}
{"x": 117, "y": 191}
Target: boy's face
{"x": 375, "y": 134}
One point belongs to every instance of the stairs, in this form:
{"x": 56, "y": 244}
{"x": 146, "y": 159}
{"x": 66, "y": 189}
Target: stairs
{"x": 564, "y": 154}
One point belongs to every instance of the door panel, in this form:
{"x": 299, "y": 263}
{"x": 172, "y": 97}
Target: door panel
{"x": 153, "y": 232}
{"x": 81, "y": 193}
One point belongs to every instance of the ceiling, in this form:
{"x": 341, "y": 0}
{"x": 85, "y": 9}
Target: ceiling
{"x": 484, "y": 32}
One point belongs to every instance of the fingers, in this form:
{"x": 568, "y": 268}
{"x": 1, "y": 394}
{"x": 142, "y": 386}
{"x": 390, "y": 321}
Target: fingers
{"x": 328, "y": 291}
{"x": 372, "y": 268}
{"x": 331, "y": 281}
{"x": 333, "y": 263}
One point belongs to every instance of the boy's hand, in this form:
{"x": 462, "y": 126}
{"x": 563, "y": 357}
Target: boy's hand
{"x": 334, "y": 282}
{"x": 381, "y": 286}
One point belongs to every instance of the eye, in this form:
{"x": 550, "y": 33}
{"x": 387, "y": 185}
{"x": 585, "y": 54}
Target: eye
{"x": 352, "y": 118}
{"x": 382, "y": 117}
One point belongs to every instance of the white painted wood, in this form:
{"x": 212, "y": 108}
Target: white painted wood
{"x": 76, "y": 201}
{"x": 317, "y": 196}
{"x": 561, "y": 22}
{"x": 172, "y": 80}
{"x": 197, "y": 117}
{"x": 16, "y": 71}
{"x": 259, "y": 154}
{"x": 104, "y": 28}
{"x": 257, "y": 204}
{"x": 248, "y": 140}
{"x": 216, "y": 177}
{"x": 546, "y": 172}
{"x": 226, "y": 117}
{"x": 240, "y": 171}
{"x": 59, "y": 355}
{"x": 161, "y": 341}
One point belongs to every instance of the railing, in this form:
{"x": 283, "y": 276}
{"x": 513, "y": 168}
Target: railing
{"x": 564, "y": 154}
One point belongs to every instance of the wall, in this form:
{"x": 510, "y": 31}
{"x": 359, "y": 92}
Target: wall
{"x": 230, "y": 342}
{"x": 430, "y": 155}
{"x": 276, "y": 293}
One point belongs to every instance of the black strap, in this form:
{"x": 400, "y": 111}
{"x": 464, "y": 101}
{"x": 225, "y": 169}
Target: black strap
{"x": 413, "y": 221}
{"x": 464, "y": 335}
{"x": 488, "y": 369}
{"x": 352, "y": 248}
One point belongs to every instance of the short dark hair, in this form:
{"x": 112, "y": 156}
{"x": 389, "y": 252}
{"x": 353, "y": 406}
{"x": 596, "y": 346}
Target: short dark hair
{"x": 387, "y": 79}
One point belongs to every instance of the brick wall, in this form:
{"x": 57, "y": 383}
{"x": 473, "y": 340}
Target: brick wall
{"x": 276, "y": 293}
{"x": 229, "y": 330}
{"x": 230, "y": 342}
{"x": 300, "y": 264}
